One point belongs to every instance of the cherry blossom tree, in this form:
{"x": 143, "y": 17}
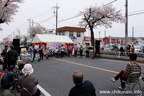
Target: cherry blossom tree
{"x": 18, "y": 37}
{"x": 100, "y": 16}
{"x": 35, "y": 30}
{"x": 8, "y": 8}
{"x": 25, "y": 38}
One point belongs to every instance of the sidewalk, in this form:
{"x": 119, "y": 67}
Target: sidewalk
{"x": 124, "y": 58}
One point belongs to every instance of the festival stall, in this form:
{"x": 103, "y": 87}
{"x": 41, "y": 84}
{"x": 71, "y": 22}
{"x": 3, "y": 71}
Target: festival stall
{"x": 52, "y": 41}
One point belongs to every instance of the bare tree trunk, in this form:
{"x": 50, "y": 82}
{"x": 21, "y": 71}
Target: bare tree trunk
{"x": 92, "y": 36}
{"x": 92, "y": 39}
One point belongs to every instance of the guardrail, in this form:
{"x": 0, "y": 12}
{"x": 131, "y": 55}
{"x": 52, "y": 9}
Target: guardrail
{"x": 118, "y": 53}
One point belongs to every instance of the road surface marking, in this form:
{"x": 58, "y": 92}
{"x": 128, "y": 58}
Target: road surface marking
{"x": 126, "y": 62}
{"x": 88, "y": 66}
{"x": 43, "y": 90}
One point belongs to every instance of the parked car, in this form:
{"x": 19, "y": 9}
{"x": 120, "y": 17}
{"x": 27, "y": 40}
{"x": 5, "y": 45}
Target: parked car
{"x": 138, "y": 48}
{"x": 108, "y": 47}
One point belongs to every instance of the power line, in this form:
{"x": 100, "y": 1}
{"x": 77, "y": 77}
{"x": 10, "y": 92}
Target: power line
{"x": 136, "y": 13}
{"x": 45, "y": 12}
{"x": 111, "y": 2}
{"x": 69, "y": 18}
{"x": 45, "y": 20}
{"x": 82, "y": 14}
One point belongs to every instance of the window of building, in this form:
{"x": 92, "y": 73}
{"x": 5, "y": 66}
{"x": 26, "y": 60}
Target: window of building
{"x": 113, "y": 41}
{"x": 78, "y": 34}
{"x": 59, "y": 33}
{"x": 71, "y": 34}
{"x": 63, "y": 33}
{"x": 105, "y": 41}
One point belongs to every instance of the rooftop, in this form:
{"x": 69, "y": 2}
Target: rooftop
{"x": 66, "y": 28}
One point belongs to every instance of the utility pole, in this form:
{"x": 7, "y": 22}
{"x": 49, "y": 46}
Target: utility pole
{"x": 28, "y": 34}
{"x": 105, "y": 33}
{"x": 126, "y": 24}
{"x": 29, "y": 20}
{"x": 56, "y": 12}
{"x": 32, "y": 22}
{"x": 18, "y": 31}
{"x": 13, "y": 35}
{"x": 99, "y": 35}
{"x": 132, "y": 31}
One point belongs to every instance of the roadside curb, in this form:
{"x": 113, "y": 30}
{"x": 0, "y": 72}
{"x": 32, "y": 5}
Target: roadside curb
{"x": 119, "y": 58}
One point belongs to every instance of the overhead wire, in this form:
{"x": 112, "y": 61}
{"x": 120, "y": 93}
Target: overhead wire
{"x": 82, "y": 14}
{"x": 136, "y": 14}
{"x": 45, "y": 20}
{"x": 45, "y": 12}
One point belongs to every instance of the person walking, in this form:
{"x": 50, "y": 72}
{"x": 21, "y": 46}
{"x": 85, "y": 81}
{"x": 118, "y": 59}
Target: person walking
{"x": 62, "y": 50}
{"x": 128, "y": 49}
{"x": 40, "y": 52}
{"x": 4, "y": 56}
{"x": 76, "y": 49}
{"x": 116, "y": 49}
{"x": 121, "y": 51}
{"x": 43, "y": 51}
{"x": 81, "y": 88}
{"x": 81, "y": 51}
{"x": 47, "y": 53}
{"x": 132, "y": 66}
{"x": 132, "y": 49}
{"x": 12, "y": 56}
{"x": 87, "y": 51}
{"x": 31, "y": 51}
{"x": 35, "y": 52}
{"x": 56, "y": 52}
{"x": 69, "y": 51}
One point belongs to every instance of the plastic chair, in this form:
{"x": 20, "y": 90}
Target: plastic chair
{"x": 135, "y": 75}
{"x": 23, "y": 91}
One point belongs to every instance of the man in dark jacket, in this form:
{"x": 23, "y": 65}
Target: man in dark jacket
{"x": 81, "y": 88}
{"x": 4, "y": 55}
{"x": 12, "y": 56}
{"x": 40, "y": 52}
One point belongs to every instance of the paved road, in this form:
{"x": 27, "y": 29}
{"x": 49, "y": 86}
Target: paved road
{"x": 55, "y": 75}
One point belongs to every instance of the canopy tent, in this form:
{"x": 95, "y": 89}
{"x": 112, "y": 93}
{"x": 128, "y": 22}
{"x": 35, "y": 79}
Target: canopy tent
{"x": 46, "y": 38}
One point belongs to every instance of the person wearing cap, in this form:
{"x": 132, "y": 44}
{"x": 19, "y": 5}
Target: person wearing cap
{"x": 7, "y": 79}
{"x": 132, "y": 66}
{"x": 29, "y": 81}
{"x": 12, "y": 56}
{"x": 81, "y": 88}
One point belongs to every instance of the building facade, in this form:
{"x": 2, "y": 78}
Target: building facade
{"x": 75, "y": 33}
{"x": 135, "y": 40}
{"x": 113, "y": 40}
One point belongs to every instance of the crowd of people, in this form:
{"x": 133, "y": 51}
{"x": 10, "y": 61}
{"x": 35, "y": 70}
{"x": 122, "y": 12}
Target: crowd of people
{"x": 60, "y": 51}
{"x": 29, "y": 81}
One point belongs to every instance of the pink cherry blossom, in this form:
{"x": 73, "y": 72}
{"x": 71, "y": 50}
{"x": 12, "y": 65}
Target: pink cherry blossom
{"x": 100, "y": 16}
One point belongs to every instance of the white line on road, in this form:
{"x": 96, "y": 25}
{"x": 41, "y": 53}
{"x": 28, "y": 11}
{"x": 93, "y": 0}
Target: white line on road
{"x": 43, "y": 90}
{"x": 120, "y": 61}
